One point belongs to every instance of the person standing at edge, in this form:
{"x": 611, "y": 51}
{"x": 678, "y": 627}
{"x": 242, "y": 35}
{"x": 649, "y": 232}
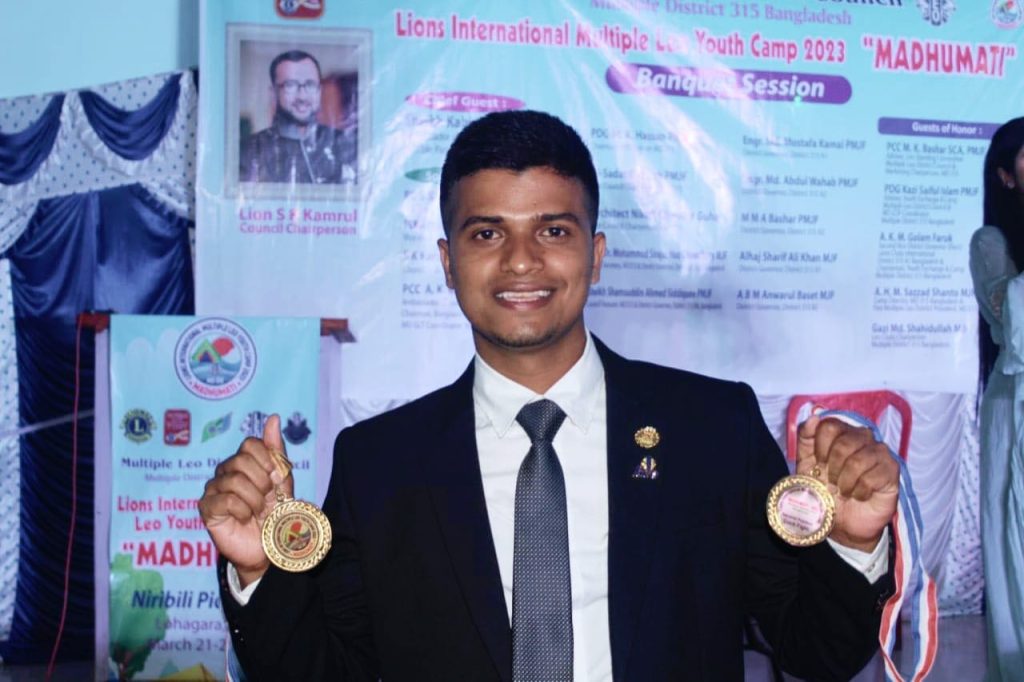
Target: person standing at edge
{"x": 996, "y": 259}
{"x": 559, "y": 512}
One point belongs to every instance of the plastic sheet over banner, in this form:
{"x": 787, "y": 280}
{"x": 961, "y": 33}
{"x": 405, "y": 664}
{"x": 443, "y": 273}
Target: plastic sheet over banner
{"x": 781, "y": 186}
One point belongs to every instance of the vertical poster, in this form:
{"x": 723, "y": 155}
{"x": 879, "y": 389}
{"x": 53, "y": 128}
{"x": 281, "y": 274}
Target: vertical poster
{"x": 184, "y": 392}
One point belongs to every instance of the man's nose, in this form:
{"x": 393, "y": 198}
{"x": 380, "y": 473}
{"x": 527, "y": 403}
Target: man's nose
{"x": 522, "y": 255}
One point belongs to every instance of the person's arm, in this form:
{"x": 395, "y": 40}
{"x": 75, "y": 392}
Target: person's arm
{"x": 820, "y": 614}
{"x": 991, "y": 270}
{"x": 294, "y": 626}
{"x": 312, "y": 625}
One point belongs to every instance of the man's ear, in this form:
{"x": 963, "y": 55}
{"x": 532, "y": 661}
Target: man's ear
{"x": 442, "y": 249}
{"x": 599, "y": 246}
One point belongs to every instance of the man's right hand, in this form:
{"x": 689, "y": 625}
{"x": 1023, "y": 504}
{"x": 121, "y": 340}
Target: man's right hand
{"x": 239, "y": 497}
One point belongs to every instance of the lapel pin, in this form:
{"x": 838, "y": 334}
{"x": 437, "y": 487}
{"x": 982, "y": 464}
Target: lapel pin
{"x": 647, "y": 437}
{"x": 647, "y": 469}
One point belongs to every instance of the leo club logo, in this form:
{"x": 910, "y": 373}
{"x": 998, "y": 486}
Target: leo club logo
{"x": 215, "y": 358}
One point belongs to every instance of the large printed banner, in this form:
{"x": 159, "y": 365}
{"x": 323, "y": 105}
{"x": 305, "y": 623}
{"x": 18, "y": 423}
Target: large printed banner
{"x": 184, "y": 392}
{"x": 788, "y": 188}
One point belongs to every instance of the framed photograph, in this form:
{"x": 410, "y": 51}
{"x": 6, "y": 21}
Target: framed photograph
{"x": 297, "y": 111}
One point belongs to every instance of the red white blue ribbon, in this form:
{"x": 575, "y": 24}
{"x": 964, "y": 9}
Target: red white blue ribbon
{"x": 913, "y": 584}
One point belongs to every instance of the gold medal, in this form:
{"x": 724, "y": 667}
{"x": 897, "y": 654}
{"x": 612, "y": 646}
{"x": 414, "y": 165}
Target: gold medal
{"x": 296, "y": 534}
{"x": 801, "y": 510}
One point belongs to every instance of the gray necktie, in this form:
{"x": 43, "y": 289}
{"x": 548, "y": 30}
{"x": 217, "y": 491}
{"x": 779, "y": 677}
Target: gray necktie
{"x": 541, "y": 588}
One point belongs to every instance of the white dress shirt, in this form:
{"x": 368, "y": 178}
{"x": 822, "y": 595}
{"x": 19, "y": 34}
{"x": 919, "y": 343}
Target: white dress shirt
{"x": 581, "y": 445}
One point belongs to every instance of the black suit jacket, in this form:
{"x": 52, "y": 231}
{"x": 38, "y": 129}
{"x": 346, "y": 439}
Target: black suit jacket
{"x": 411, "y": 589}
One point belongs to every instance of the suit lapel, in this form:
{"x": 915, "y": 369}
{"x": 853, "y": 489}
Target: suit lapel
{"x": 456, "y": 489}
{"x": 633, "y": 506}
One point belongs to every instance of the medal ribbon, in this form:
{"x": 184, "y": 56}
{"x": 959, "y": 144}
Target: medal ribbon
{"x": 911, "y": 579}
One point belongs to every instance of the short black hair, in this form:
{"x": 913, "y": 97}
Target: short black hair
{"x": 292, "y": 56}
{"x": 518, "y": 141}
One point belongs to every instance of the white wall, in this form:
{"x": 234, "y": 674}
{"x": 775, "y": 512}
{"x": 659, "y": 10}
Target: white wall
{"x": 58, "y": 45}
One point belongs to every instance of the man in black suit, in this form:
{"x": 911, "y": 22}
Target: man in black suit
{"x": 465, "y": 548}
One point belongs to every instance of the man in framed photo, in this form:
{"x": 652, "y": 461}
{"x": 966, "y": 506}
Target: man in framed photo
{"x": 296, "y": 148}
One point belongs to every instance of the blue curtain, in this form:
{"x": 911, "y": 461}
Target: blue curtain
{"x": 22, "y": 153}
{"x": 119, "y": 250}
{"x": 133, "y": 134}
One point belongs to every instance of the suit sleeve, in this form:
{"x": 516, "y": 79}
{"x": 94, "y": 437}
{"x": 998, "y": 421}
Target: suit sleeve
{"x": 311, "y": 625}
{"x": 820, "y": 615}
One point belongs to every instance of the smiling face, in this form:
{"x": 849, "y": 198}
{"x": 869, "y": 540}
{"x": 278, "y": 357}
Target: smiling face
{"x": 297, "y": 87}
{"x": 521, "y": 258}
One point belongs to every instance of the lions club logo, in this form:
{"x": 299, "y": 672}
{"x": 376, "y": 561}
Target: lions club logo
{"x": 138, "y": 425}
{"x": 215, "y": 358}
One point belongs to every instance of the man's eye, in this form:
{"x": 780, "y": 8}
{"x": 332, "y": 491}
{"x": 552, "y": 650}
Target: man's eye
{"x": 485, "y": 234}
{"x": 556, "y": 231}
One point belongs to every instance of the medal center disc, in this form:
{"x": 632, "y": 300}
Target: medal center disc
{"x": 801, "y": 511}
{"x": 295, "y": 536}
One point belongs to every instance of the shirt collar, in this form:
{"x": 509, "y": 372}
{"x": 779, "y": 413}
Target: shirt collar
{"x": 497, "y": 399}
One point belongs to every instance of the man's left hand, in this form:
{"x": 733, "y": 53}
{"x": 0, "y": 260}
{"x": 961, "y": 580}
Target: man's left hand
{"x": 861, "y": 473}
